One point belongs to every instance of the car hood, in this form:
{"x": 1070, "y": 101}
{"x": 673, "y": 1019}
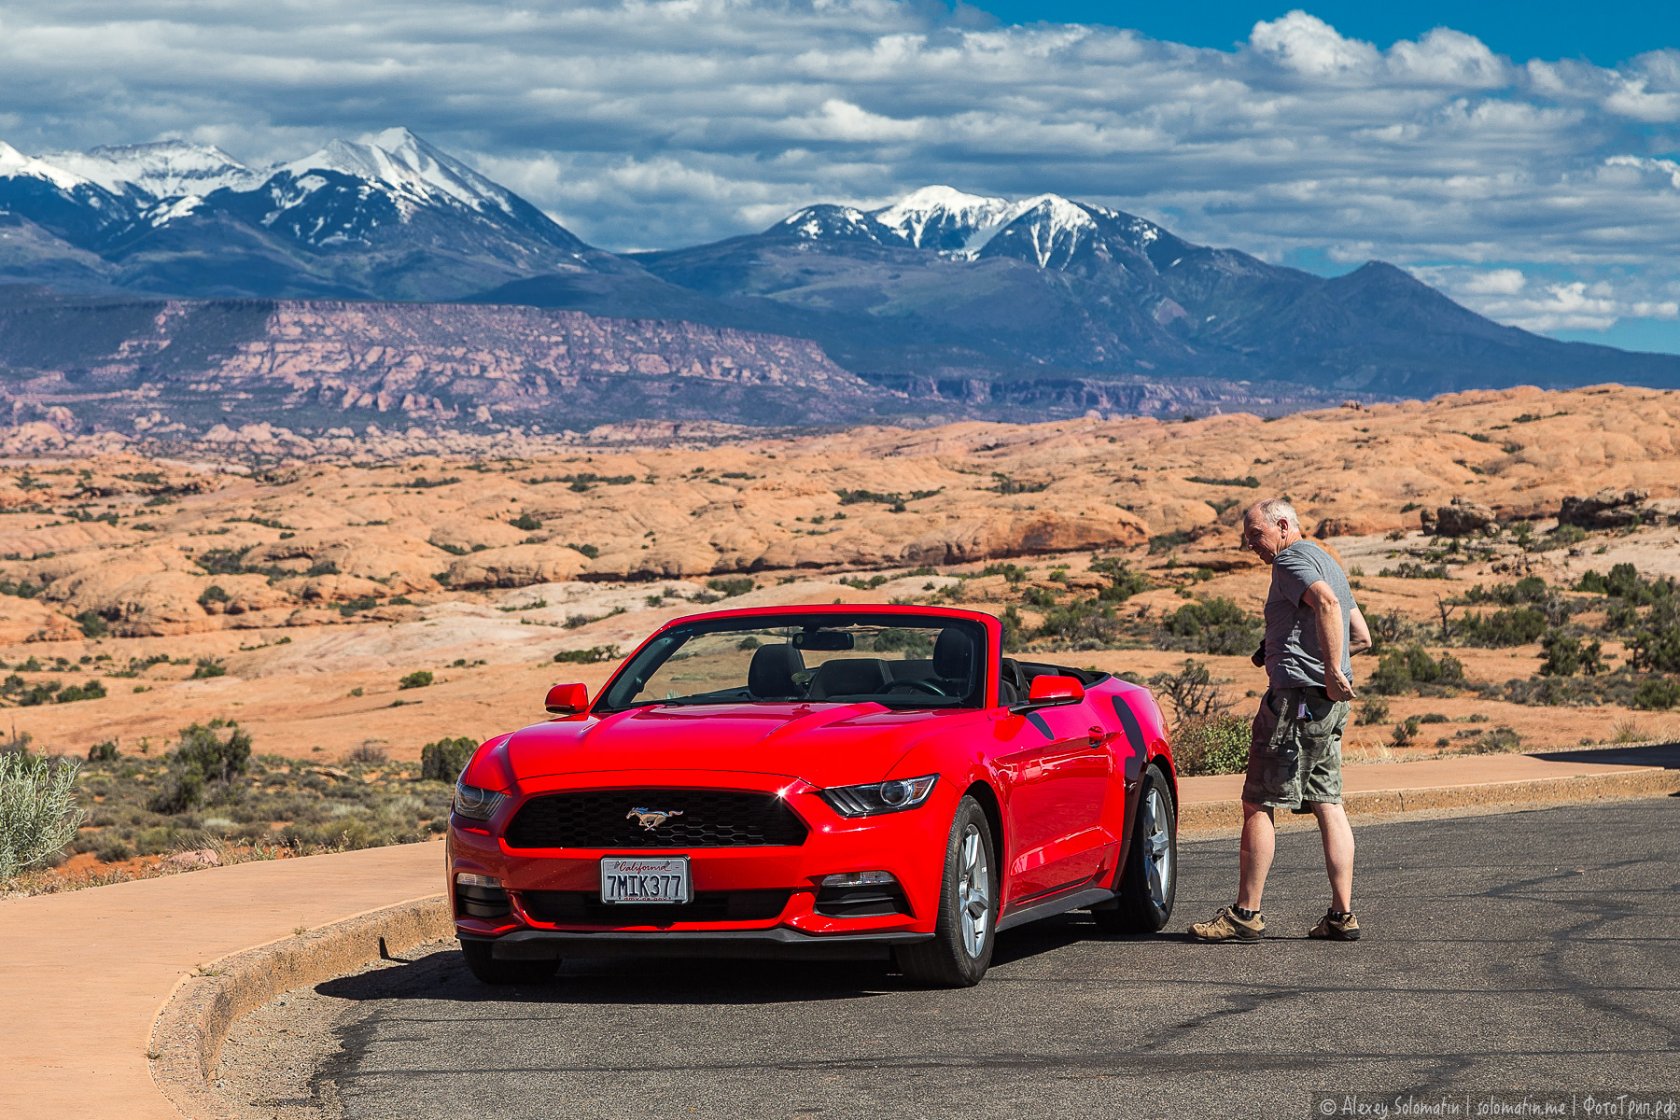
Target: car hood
{"x": 823, "y": 744}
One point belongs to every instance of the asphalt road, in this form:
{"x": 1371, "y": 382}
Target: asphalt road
{"x": 1534, "y": 951}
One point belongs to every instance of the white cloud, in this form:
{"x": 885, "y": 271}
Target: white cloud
{"x": 1308, "y": 45}
{"x": 648, "y": 123}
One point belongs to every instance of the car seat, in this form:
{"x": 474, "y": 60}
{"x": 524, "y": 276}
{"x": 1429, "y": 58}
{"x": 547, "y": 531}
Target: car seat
{"x": 770, "y": 675}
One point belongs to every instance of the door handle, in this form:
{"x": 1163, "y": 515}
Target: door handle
{"x": 1096, "y": 736}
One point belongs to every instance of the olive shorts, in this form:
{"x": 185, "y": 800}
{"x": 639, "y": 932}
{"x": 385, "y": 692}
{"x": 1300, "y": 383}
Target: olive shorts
{"x": 1295, "y": 754}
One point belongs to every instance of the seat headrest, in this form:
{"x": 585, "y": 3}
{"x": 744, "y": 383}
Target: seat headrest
{"x": 953, "y": 654}
{"x": 850, "y": 676}
{"x": 770, "y": 675}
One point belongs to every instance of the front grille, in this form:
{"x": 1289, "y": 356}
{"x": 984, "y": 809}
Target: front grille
{"x": 585, "y": 908}
{"x": 700, "y": 818}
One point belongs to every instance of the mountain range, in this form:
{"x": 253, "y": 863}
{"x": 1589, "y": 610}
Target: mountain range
{"x": 977, "y": 305}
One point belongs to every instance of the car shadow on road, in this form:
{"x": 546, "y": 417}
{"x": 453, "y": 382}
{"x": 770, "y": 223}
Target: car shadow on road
{"x": 1665, "y": 755}
{"x": 439, "y": 973}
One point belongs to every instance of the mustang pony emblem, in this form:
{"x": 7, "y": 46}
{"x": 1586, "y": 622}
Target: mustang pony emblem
{"x": 651, "y": 819}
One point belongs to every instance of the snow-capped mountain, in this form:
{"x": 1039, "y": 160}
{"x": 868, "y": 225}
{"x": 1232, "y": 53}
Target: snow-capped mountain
{"x": 388, "y": 215}
{"x": 167, "y": 170}
{"x": 1048, "y": 230}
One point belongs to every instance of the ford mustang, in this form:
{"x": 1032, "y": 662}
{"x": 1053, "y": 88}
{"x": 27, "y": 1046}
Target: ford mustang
{"x": 849, "y": 779}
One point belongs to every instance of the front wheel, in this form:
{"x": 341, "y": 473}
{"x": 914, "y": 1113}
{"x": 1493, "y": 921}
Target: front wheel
{"x": 486, "y": 969}
{"x": 961, "y": 948}
{"x": 1149, "y": 880}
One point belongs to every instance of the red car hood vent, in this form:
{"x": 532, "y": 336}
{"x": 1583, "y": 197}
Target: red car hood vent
{"x": 821, "y": 743}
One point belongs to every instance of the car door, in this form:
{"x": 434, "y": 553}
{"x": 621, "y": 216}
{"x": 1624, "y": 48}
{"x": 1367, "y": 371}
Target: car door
{"x": 1057, "y": 769}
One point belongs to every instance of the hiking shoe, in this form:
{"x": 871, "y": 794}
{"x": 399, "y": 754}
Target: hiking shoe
{"x": 1227, "y": 926}
{"x": 1332, "y": 928}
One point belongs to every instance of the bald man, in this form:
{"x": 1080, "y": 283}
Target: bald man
{"x": 1313, "y": 627}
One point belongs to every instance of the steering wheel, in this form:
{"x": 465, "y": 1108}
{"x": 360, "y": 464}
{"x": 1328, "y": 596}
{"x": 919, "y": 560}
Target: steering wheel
{"x": 924, "y": 686}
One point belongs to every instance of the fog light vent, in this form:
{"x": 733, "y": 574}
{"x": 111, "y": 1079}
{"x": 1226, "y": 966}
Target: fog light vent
{"x": 479, "y": 896}
{"x": 861, "y": 894}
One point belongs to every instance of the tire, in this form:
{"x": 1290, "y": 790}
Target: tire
{"x": 961, "y": 948}
{"x": 1149, "y": 877}
{"x": 486, "y": 969}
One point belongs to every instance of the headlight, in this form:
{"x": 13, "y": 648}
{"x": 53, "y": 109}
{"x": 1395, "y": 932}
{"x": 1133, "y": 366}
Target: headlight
{"x": 880, "y": 797}
{"x": 476, "y": 804}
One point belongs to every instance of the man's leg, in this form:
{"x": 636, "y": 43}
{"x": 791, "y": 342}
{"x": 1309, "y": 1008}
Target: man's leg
{"x": 1337, "y": 834}
{"x": 1259, "y": 841}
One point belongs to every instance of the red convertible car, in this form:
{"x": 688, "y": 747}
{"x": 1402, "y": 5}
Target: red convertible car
{"x": 811, "y": 778}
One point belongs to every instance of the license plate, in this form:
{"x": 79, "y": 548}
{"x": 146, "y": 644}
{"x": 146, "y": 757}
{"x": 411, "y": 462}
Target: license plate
{"x": 641, "y": 879}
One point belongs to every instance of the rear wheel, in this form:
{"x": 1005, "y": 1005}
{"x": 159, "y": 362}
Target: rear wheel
{"x": 961, "y": 948}
{"x": 1149, "y": 880}
{"x": 486, "y": 969}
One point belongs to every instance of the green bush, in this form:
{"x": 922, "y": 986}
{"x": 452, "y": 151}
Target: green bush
{"x": 1412, "y": 669}
{"x": 444, "y": 760}
{"x": 420, "y": 678}
{"x": 38, "y": 811}
{"x": 207, "y": 667}
{"x": 1123, "y": 580}
{"x": 203, "y": 756}
{"x": 1657, "y": 694}
{"x": 526, "y": 522}
{"x": 590, "y": 656}
{"x": 103, "y": 751}
{"x": 1215, "y": 625}
{"x": 732, "y": 587}
{"x": 1511, "y": 626}
{"x": 1213, "y": 744}
{"x": 1565, "y": 655}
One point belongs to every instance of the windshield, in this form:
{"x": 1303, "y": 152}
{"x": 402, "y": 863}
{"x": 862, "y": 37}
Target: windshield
{"x": 900, "y": 661}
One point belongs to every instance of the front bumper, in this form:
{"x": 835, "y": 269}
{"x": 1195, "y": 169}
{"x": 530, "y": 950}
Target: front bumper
{"x": 553, "y": 894}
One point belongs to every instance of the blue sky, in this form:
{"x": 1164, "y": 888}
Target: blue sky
{"x": 1522, "y": 157}
{"x": 1604, "y": 33}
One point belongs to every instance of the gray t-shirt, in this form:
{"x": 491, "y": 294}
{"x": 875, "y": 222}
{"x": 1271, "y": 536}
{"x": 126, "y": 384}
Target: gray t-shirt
{"x": 1293, "y": 656}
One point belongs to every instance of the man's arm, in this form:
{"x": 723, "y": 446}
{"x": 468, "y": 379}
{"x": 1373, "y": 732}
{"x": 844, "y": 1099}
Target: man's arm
{"x": 1327, "y": 613}
{"x": 1360, "y": 633}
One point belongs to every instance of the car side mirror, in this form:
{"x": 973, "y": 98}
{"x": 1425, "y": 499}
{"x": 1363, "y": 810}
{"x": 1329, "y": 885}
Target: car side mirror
{"x": 567, "y": 699}
{"x": 1051, "y": 691}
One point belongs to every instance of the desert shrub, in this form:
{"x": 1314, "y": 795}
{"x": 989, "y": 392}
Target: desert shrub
{"x": 1657, "y": 694}
{"x": 728, "y": 587}
{"x": 1411, "y": 569}
{"x": 87, "y": 690}
{"x": 1624, "y": 582}
{"x": 1191, "y": 691}
{"x": 1390, "y": 628}
{"x": 1078, "y": 624}
{"x": 1510, "y": 626}
{"x": 38, "y": 810}
{"x": 443, "y": 760}
{"x": 206, "y": 755}
{"x": 1655, "y": 640}
{"x": 1564, "y": 655}
{"x": 1123, "y": 580}
{"x": 526, "y": 522}
{"x": 1372, "y": 709}
{"x": 369, "y": 753}
{"x": 1405, "y": 731}
{"x": 207, "y": 667}
{"x": 93, "y": 624}
{"x": 420, "y": 678}
{"x": 589, "y": 656}
{"x": 212, "y": 594}
{"x": 1412, "y": 669}
{"x": 1211, "y": 744}
{"x": 1501, "y": 740}
{"x": 1215, "y": 625}
{"x": 103, "y": 751}
{"x": 112, "y": 849}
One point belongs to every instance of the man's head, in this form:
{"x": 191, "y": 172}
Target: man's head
{"x": 1269, "y": 527}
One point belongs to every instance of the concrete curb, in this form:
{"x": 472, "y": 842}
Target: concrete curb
{"x": 1214, "y": 816}
{"x": 188, "y": 1033}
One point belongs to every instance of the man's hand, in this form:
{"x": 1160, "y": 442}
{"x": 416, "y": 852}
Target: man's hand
{"x": 1259, "y": 657}
{"x": 1337, "y": 686}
